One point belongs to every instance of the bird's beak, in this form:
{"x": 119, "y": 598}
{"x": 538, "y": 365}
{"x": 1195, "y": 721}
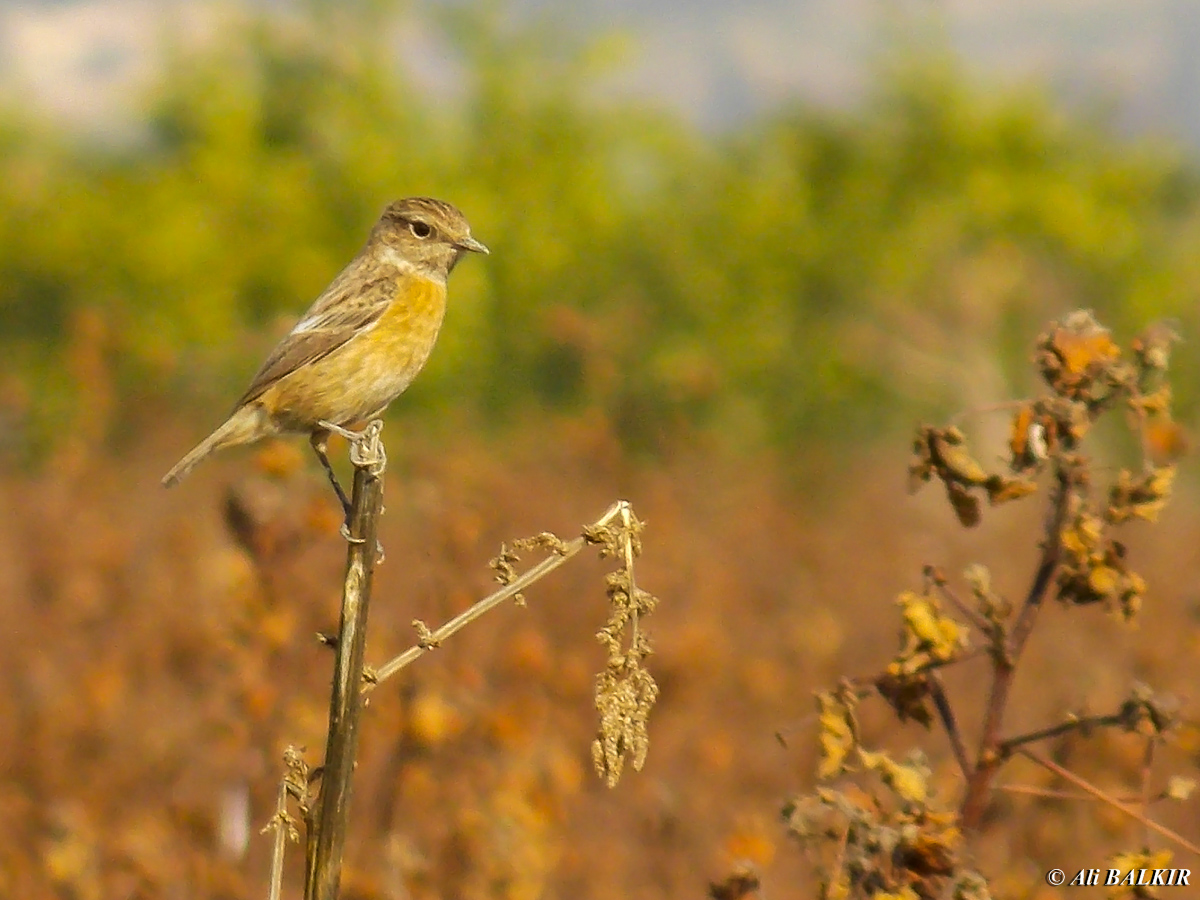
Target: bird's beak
{"x": 469, "y": 243}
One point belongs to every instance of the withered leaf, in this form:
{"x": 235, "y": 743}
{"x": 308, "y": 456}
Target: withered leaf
{"x": 837, "y": 732}
{"x": 952, "y": 459}
{"x": 1081, "y": 350}
{"x": 966, "y": 506}
{"x": 909, "y": 780}
{"x": 1082, "y": 536}
{"x": 929, "y": 633}
{"x": 1140, "y": 497}
{"x": 1079, "y": 358}
{"x": 906, "y": 694}
{"x": 1001, "y": 489}
{"x": 1155, "y": 402}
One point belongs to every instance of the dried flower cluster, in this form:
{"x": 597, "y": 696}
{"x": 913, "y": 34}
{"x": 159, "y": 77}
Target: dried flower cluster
{"x": 885, "y": 835}
{"x": 625, "y": 690}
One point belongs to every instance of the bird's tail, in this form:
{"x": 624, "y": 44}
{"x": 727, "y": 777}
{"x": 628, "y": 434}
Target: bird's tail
{"x": 247, "y": 424}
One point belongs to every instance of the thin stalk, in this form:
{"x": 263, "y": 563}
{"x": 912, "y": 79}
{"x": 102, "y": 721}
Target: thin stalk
{"x": 431, "y": 639}
{"x": 324, "y": 866}
{"x": 1004, "y": 664}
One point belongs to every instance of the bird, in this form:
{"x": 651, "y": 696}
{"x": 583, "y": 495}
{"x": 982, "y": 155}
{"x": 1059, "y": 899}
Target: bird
{"x": 361, "y": 343}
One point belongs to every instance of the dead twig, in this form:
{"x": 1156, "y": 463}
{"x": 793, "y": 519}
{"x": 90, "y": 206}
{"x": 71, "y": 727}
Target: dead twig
{"x": 1116, "y": 804}
{"x": 429, "y": 639}
{"x": 324, "y": 865}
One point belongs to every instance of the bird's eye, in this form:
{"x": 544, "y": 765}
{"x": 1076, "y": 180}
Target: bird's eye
{"x": 420, "y": 230}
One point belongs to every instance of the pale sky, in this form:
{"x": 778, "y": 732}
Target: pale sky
{"x": 717, "y": 61}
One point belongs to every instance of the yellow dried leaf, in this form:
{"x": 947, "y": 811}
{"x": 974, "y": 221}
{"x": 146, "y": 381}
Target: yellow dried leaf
{"x": 1001, "y": 489}
{"x": 1082, "y": 536}
{"x": 952, "y": 458}
{"x": 1079, "y": 351}
{"x": 1140, "y": 497}
{"x": 1103, "y": 580}
{"x": 930, "y": 631}
{"x": 1155, "y": 402}
{"x": 909, "y": 781}
{"x": 1131, "y": 596}
{"x": 837, "y": 732}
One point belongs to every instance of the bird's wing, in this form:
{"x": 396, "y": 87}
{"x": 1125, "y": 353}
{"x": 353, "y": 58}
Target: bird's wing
{"x": 347, "y": 307}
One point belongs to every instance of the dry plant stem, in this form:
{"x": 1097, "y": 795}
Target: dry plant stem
{"x": 1147, "y": 770}
{"x": 627, "y": 553}
{"x": 324, "y": 867}
{"x": 281, "y": 824}
{"x": 1004, "y": 665}
{"x": 467, "y": 616}
{"x": 1007, "y": 746}
{"x": 1051, "y": 794}
{"x": 949, "y": 722}
{"x": 1130, "y": 811}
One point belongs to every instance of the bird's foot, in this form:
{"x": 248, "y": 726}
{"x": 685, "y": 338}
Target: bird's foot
{"x": 366, "y": 449}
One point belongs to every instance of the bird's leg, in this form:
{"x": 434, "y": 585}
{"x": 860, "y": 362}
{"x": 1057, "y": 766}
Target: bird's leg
{"x": 365, "y": 450}
{"x": 349, "y": 434}
{"x": 320, "y": 443}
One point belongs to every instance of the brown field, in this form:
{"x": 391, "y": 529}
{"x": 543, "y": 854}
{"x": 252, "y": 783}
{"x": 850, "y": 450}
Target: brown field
{"x": 158, "y": 664}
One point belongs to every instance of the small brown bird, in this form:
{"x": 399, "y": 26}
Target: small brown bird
{"x": 361, "y": 343}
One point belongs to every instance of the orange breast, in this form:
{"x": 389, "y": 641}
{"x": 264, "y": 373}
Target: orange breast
{"x": 370, "y": 370}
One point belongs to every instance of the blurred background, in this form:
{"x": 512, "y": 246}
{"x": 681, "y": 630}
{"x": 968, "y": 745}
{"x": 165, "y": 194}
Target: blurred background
{"x": 738, "y": 250}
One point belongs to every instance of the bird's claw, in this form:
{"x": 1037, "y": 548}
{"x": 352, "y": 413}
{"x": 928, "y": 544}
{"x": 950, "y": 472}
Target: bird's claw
{"x": 366, "y": 449}
{"x": 380, "y": 556}
{"x": 349, "y": 538}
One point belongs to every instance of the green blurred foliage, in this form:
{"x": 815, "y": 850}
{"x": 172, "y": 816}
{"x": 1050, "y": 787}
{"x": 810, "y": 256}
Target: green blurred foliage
{"x": 814, "y": 277}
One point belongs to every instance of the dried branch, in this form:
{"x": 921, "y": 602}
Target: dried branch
{"x": 1004, "y": 665}
{"x": 428, "y": 640}
{"x": 293, "y": 784}
{"x": 1051, "y": 794}
{"x": 282, "y": 825}
{"x": 1079, "y": 561}
{"x": 1116, "y": 804}
{"x": 1084, "y": 723}
{"x": 324, "y": 865}
{"x": 946, "y": 713}
{"x": 625, "y": 690}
